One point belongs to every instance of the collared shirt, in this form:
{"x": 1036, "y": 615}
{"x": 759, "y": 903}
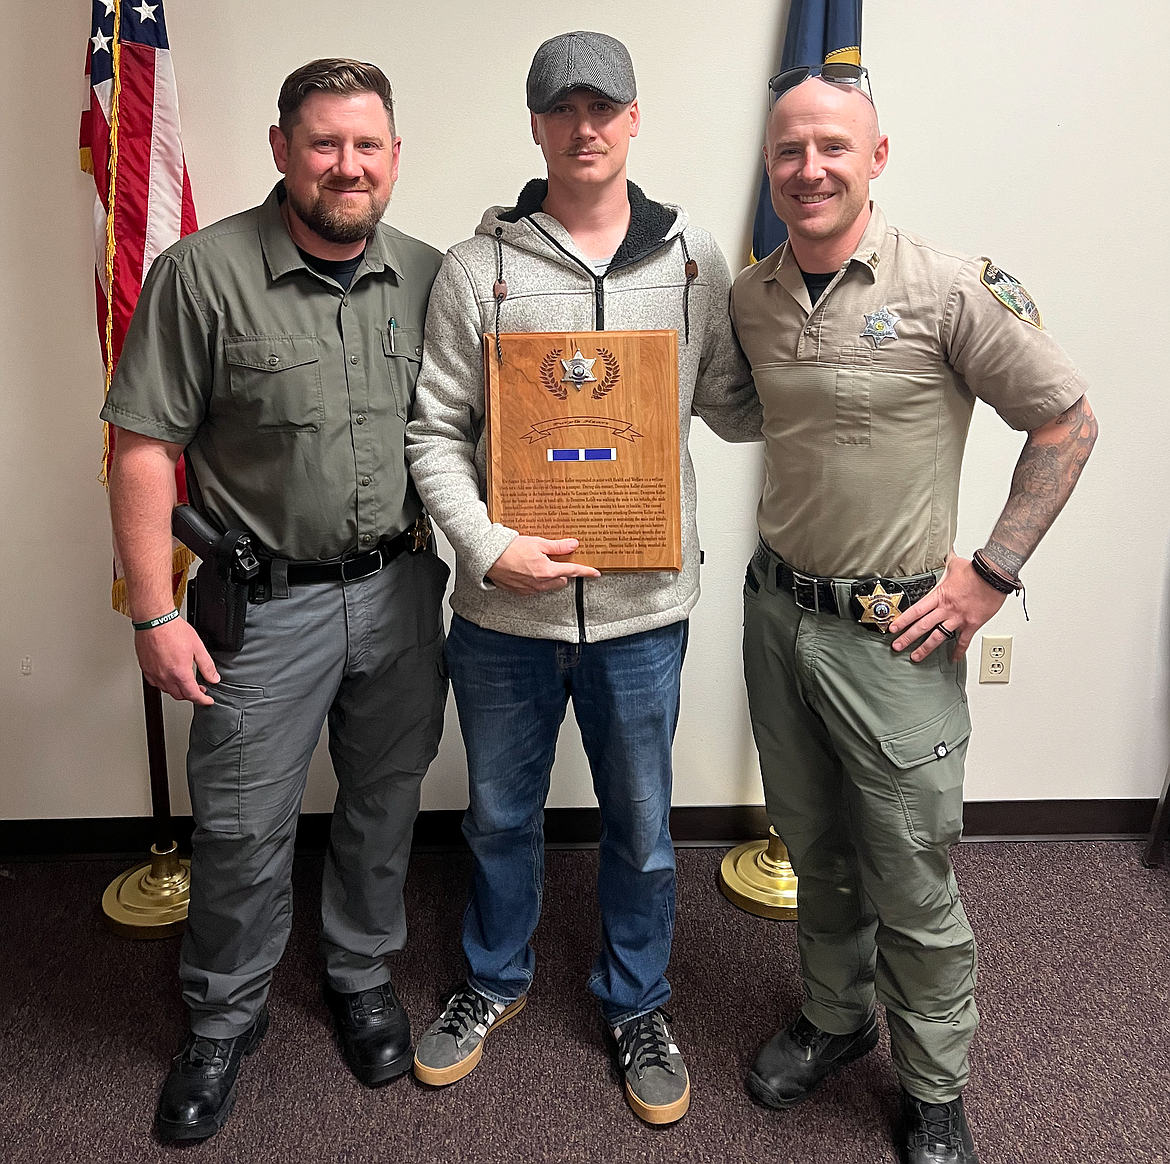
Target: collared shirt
{"x": 868, "y": 396}
{"x": 290, "y": 395}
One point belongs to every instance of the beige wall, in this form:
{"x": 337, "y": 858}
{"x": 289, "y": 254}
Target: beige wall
{"x": 1032, "y": 133}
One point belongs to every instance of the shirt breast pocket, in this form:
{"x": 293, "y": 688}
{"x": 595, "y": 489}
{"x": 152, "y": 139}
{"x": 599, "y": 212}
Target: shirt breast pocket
{"x": 854, "y": 376}
{"x": 402, "y": 347}
{"x": 276, "y": 381}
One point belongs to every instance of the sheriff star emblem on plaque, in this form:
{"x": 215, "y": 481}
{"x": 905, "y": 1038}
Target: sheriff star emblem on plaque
{"x": 578, "y": 370}
{"x": 880, "y": 608}
{"x": 881, "y": 325}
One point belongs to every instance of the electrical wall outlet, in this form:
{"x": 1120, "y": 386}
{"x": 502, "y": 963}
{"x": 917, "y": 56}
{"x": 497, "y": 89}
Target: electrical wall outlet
{"x": 995, "y": 659}
{"x": 26, "y": 665}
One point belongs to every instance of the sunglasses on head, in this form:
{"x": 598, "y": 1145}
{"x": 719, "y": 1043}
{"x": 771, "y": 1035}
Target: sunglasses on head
{"x": 834, "y": 72}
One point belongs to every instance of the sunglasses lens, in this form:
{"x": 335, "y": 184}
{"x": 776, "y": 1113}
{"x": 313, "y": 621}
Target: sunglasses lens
{"x": 789, "y": 79}
{"x": 841, "y": 73}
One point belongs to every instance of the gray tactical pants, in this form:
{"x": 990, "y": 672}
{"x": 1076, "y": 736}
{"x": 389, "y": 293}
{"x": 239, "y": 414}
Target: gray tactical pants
{"x": 862, "y": 755}
{"x": 366, "y": 656}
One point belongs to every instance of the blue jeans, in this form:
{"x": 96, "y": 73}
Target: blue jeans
{"x": 511, "y": 693}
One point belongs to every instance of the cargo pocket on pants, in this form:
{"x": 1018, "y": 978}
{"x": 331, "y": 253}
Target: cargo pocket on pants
{"x": 929, "y": 774}
{"x": 215, "y": 758}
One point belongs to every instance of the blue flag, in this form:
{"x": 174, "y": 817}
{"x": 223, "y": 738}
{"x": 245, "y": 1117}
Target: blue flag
{"x": 818, "y": 31}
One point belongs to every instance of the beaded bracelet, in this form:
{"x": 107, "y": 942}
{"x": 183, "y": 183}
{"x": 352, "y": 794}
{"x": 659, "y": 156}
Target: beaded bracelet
{"x": 150, "y": 624}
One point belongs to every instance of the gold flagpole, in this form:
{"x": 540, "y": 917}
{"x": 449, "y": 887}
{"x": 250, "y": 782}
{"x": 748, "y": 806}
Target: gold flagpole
{"x": 758, "y": 877}
{"x": 150, "y": 900}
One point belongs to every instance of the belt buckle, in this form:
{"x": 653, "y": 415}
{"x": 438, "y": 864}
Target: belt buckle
{"x": 375, "y": 553}
{"x": 799, "y": 580}
{"x": 880, "y": 607}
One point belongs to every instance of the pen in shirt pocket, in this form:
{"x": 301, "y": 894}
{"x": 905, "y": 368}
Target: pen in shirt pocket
{"x": 392, "y": 327}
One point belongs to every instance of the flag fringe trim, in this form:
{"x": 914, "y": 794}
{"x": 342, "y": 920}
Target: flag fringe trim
{"x": 850, "y": 55}
{"x": 111, "y": 237}
{"x": 181, "y": 562}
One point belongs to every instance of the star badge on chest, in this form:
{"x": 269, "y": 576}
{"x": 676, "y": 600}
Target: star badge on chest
{"x": 881, "y": 326}
{"x": 880, "y": 608}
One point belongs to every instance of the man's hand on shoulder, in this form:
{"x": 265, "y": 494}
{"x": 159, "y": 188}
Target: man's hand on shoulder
{"x": 961, "y": 602}
{"x": 527, "y": 566}
{"x": 168, "y": 655}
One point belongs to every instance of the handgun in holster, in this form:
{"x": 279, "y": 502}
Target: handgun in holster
{"x": 217, "y": 597}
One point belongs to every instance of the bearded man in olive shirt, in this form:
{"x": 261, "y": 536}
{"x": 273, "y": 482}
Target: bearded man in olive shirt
{"x": 869, "y": 347}
{"x": 278, "y": 349}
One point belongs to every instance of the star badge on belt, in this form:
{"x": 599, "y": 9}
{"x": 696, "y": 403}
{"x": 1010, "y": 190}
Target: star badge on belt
{"x": 880, "y": 608}
{"x": 881, "y": 325}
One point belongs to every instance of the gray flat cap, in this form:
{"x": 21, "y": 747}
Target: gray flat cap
{"x": 576, "y": 60}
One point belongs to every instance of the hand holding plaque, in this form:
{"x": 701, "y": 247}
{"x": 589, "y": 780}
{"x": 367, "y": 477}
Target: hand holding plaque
{"x": 583, "y": 443}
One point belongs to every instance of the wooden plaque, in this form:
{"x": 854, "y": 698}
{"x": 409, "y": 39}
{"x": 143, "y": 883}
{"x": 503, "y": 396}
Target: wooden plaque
{"x": 583, "y": 443}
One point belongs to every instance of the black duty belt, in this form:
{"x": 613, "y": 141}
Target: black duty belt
{"x": 278, "y": 574}
{"x": 874, "y": 602}
{"x": 347, "y": 569}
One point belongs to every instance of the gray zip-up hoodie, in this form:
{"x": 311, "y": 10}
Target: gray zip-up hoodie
{"x": 552, "y": 287}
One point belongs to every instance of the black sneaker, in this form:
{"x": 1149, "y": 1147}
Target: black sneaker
{"x": 373, "y": 1030}
{"x": 200, "y": 1091}
{"x": 657, "y": 1085}
{"x": 792, "y": 1063}
{"x": 936, "y": 1133}
{"x": 453, "y": 1043}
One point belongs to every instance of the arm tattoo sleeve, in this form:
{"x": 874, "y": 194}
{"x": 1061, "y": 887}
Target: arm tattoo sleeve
{"x": 1048, "y": 468}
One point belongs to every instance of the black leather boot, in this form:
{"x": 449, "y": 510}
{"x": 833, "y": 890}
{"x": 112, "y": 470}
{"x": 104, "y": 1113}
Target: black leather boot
{"x": 793, "y": 1062}
{"x": 373, "y": 1030}
{"x": 200, "y": 1091}
{"x": 936, "y": 1133}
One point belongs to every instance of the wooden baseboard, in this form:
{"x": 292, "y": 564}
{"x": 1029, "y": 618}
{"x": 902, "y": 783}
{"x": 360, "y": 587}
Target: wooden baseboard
{"x": 720, "y": 824}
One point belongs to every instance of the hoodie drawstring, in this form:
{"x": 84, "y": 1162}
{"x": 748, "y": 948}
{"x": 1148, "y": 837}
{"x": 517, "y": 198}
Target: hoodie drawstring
{"x": 691, "y": 271}
{"x": 499, "y": 291}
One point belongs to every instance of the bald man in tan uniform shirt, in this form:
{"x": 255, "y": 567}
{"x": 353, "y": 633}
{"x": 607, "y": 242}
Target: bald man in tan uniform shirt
{"x": 869, "y": 347}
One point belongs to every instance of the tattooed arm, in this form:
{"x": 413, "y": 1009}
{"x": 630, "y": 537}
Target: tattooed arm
{"x": 1049, "y": 466}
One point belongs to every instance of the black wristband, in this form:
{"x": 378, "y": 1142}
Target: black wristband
{"x": 992, "y": 577}
{"x": 151, "y": 623}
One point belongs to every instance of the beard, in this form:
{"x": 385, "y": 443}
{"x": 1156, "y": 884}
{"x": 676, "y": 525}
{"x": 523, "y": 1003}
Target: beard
{"x": 333, "y": 223}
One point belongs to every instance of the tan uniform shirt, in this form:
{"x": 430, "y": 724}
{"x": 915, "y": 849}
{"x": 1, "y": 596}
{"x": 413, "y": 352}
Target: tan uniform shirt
{"x": 867, "y": 398}
{"x": 290, "y": 395}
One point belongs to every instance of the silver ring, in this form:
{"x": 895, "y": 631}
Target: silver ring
{"x": 951, "y": 634}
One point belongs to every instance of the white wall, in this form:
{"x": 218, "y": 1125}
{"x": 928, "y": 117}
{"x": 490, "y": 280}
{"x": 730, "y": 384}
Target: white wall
{"x": 1032, "y": 133}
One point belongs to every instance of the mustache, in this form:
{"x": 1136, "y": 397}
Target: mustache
{"x": 584, "y": 151}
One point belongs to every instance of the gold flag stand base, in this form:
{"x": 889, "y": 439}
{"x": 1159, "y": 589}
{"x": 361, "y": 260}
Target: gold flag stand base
{"x": 150, "y": 901}
{"x": 758, "y": 877}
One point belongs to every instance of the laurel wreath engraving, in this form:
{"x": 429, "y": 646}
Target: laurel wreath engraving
{"x": 612, "y": 373}
{"x": 548, "y": 377}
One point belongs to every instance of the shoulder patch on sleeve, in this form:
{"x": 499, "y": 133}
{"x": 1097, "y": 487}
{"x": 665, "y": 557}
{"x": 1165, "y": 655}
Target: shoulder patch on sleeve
{"x": 1011, "y": 293}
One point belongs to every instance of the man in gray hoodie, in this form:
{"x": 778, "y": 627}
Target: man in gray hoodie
{"x": 583, "y": 251}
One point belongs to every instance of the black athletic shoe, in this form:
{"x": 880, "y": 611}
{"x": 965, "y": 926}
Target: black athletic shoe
{"x": 200, "y": 1091}
{"x": 658, "y": 1088}
{"x": 935, "y": 1133}
{"x": 793, "y": 1062}
{"x": 373, "y": 1030}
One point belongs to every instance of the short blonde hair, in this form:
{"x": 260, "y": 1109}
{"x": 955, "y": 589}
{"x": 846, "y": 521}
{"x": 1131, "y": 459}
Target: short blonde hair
{"x": 338, "y": 75}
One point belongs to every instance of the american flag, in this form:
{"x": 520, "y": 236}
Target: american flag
{"x": 131, "y": 143}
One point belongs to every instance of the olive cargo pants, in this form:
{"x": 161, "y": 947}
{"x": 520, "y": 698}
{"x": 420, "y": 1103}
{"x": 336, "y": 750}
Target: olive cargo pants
{"x": 862, "y": 755}
{"x": 367, "y": 656}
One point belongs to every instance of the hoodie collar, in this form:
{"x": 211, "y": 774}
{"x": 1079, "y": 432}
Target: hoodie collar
{"x": 651, "y": 223}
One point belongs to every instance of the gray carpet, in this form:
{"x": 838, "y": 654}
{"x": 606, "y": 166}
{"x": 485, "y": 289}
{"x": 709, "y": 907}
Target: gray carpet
{"x": 1072, "y": 1061}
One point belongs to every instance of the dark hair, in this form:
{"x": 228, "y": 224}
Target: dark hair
{"x": 338, "y": 75}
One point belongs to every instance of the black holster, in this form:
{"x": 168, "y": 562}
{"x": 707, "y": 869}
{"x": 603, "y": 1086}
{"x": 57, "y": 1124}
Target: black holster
{"x": 217, "y": 597}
